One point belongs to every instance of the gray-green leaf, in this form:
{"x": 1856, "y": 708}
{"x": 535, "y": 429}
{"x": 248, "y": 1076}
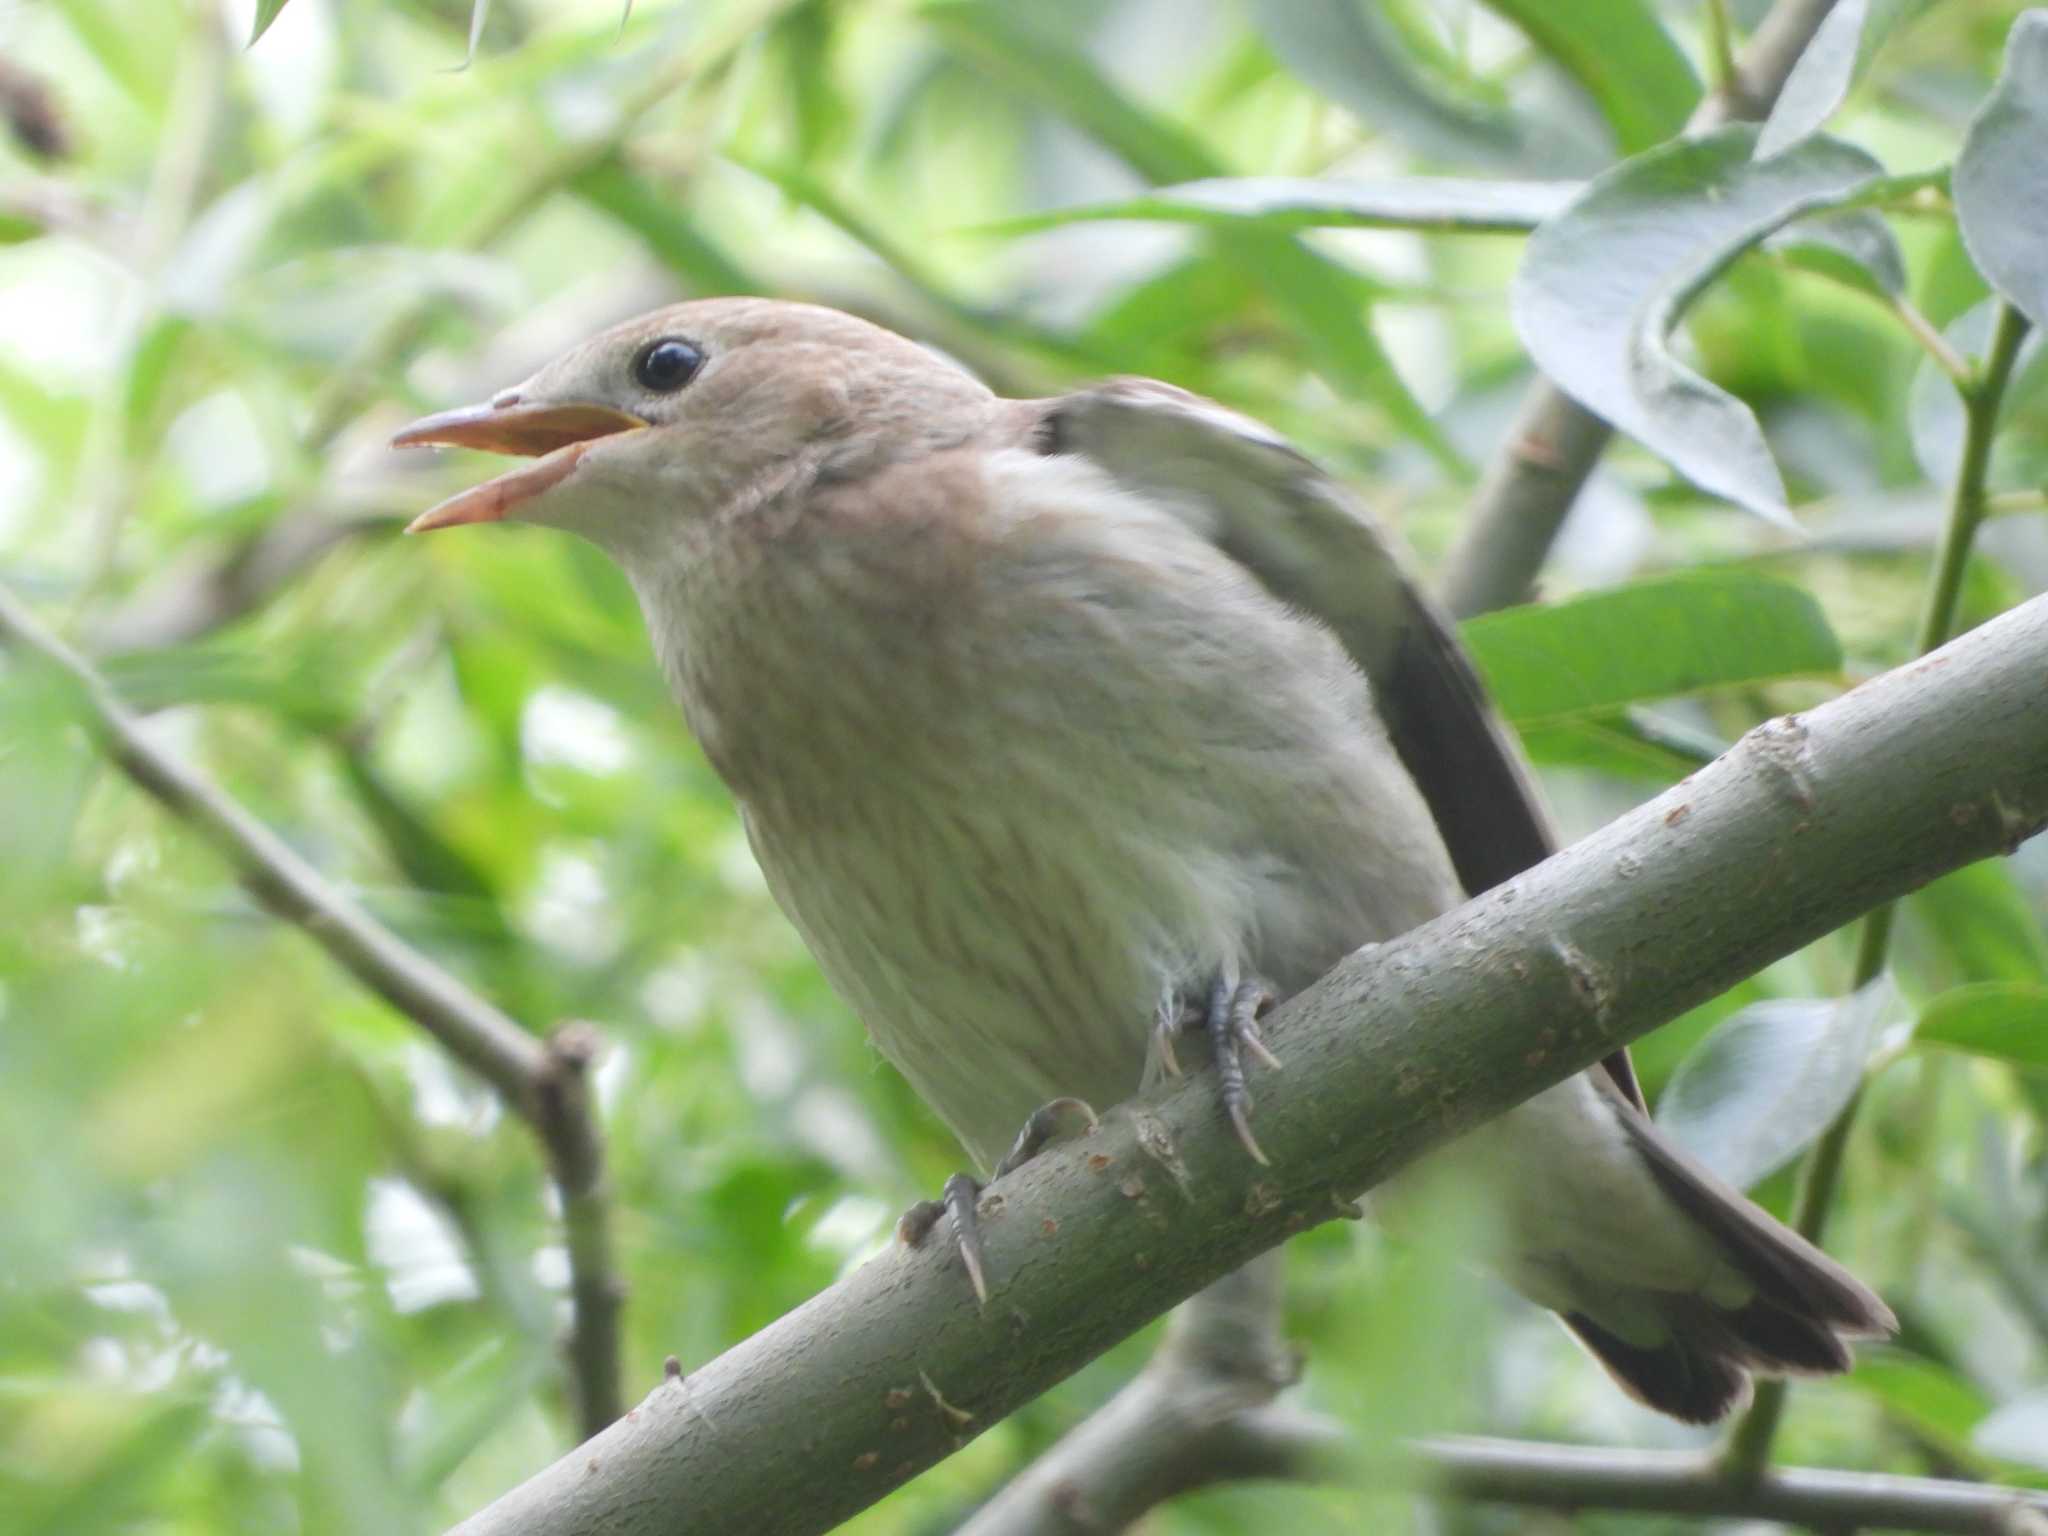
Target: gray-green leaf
{"x": 1856, "y": 248}
{"x": 1833, "y": 62}
{"x": 1606, "y": 281}
{"x": 1770, "y": 1078}
{"x": 2001, "y": 177}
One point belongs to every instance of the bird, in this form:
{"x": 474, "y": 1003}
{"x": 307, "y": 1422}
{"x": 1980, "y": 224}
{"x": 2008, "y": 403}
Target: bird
{"x": 1060, "y": 727}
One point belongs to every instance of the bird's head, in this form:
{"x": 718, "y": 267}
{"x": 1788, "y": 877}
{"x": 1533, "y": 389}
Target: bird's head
{"x": 669, "y": 419}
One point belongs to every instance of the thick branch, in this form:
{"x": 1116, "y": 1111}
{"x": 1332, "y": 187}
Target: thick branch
{"x": 541, "y": 1082}
{"x": 1806, "y": 822}
{"x": 1553, "y": 443}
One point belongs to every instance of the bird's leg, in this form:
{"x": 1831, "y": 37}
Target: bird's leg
{"x": 1229, "y": 1016}
{"x": 962, "y": 1191}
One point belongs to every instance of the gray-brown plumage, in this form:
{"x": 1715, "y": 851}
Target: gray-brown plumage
{"x": 1046, "y": 716}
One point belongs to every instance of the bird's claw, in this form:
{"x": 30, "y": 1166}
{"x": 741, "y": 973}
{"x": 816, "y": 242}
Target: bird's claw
{"x": 1043, "y": 1125}
{"x": 959, "y": 1199}
{"x": 1231, "y": 1021}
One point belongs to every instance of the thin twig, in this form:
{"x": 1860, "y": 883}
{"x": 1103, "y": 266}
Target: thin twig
{"x": 541, "y": 1082}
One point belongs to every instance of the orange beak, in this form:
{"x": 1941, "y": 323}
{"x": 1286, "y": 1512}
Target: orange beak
{"x": 554, "y": 436}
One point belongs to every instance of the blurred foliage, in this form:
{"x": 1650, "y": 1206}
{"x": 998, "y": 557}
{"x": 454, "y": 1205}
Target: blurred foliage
{"x": 272, "y": 1263}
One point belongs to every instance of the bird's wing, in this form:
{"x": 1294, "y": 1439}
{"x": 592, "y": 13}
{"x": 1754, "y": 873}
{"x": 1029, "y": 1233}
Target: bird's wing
{"x": 1268, "y": 506}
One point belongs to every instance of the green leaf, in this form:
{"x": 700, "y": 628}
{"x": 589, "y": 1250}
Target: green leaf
{"x": 1319, "y": 298}
{"x": 2006, "y": 1021}
{"x": 2001, "y": 172}
{"x": 1649, "y": 640}
{"x": 1984, "y": 924}
{"x": 1034, "y": 65}
{"x": 1442, "y": 204}
{"x": 1930, "y": 1396}
{"x": 1629, "y": 744}
{"x": 1605, "y": 282}
{"x": 1351, "y": 52}
{"x": 1770, "y": 1079}
{"x": 266, "y": 12}
{"x": 1620, "y": 53}
{"x": 1836, "y": 58}
{"x": 669, "y": 232}
{"x": 165, "y": 346}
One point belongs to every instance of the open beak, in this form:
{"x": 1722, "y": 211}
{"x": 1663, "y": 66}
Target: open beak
{"x": 554, "y": 436}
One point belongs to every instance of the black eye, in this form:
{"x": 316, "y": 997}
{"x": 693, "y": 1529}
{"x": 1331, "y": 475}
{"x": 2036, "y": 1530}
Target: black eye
{"x": 667, "y": 365}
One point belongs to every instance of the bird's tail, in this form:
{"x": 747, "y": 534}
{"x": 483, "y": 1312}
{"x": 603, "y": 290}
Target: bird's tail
{"x": 1803, "y": 1308}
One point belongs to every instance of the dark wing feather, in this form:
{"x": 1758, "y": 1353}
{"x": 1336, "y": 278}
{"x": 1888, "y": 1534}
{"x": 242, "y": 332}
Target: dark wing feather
{"x": 1311, "y": 544}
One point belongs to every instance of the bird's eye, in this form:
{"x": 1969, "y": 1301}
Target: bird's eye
{"x": 667, "y": 365}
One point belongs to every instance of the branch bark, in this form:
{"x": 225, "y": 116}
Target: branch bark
{"x": 1553, "y": 443}
{"x": 540, "y": 1081}
{"x": 1806, "y": 822}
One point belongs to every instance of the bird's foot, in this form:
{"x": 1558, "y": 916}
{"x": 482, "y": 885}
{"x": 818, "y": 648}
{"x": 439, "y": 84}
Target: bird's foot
{"x": 958, "y": 1199}
{"x": 1229, "y": 1016}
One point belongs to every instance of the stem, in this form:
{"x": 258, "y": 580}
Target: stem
{"x": 1928, "y": 334}
{"x": 1721, "y": 43}
{"x": 1749, "y": 1443}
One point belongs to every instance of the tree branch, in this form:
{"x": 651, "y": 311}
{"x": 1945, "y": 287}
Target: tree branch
{"x": 1553, "y": 443}
{"x": 542, "y": 1082}
{"x": 1677, "y": 1483}
{"x": 1806, "y": 822}
{"x": 1197, "y": 1414}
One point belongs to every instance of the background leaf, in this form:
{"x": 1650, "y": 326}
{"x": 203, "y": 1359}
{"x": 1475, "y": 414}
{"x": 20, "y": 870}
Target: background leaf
{"x": 1450, "y": 205}
{"x": 266, "y": 12}
{"x": 1355, "y": 55}
{"x": 1619, "y": 51}
{"x": 2007, "y": 1021}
